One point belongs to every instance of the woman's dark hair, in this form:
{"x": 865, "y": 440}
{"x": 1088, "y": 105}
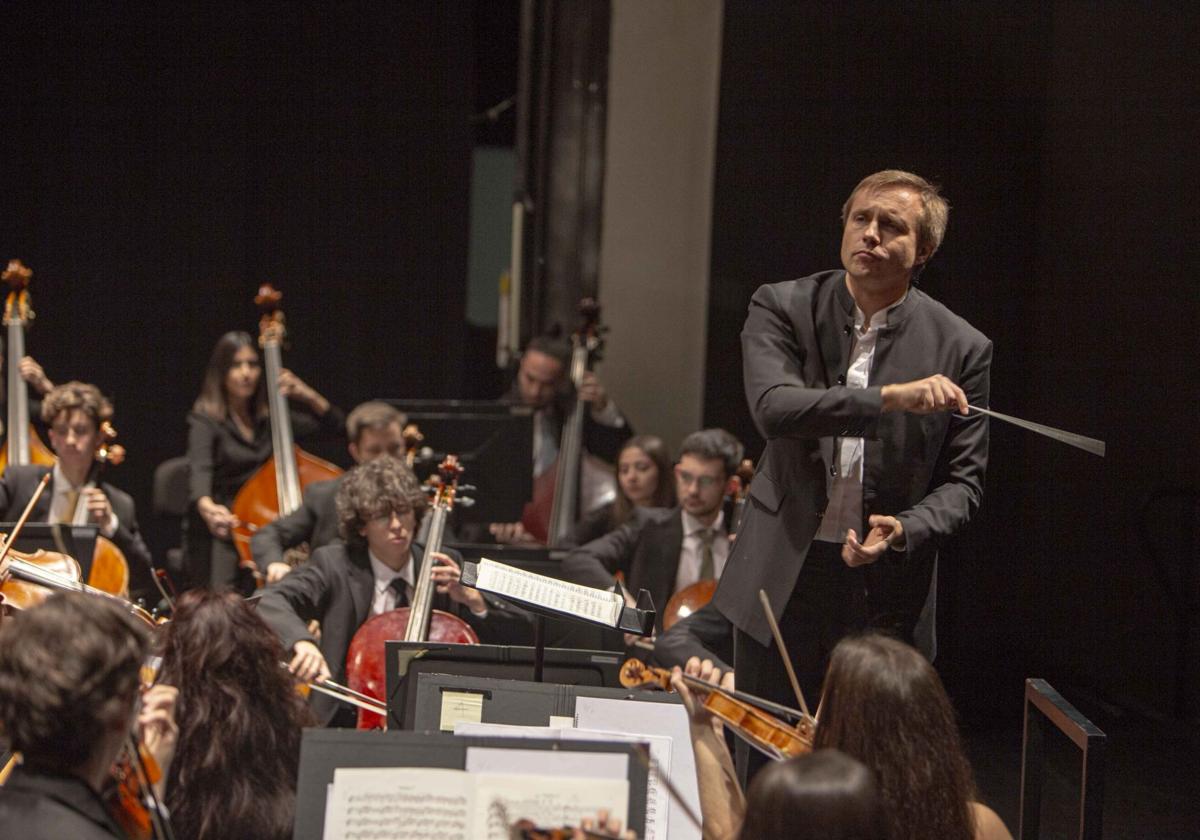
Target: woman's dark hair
{"x": 376, "y": 488}
{"x": 823, "y": 796}
{"x": 664, "y": 492}
{"x": 213, "y": 401}
{"x": 234, "y": 773}
{"x": 885, "y": 705}
{"x": 68, "y": 673}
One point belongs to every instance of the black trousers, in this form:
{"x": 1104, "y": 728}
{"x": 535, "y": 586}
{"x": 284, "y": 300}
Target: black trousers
{"x": 828, "y": 603}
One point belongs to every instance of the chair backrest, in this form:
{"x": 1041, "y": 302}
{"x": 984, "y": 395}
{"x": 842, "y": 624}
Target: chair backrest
{"x": 171, "y": 496}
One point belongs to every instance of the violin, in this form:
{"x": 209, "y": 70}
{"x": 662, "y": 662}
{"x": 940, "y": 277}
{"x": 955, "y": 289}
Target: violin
{"x": 130, "y": 798}
{"x": 556, "y": 493}
{"x": 276, "y": 488}
{"x": 418, "y": 622}
{"x": 745, "y": 714}
{"x": 23, "y": 445}
{"x": 691, "y": 598}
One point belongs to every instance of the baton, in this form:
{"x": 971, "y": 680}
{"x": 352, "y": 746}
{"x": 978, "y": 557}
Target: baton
{"x": 1087, "y": 444}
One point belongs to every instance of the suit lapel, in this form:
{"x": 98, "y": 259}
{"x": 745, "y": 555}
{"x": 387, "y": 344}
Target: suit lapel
{"x": 361, "y": 581}
{"x": 41, "y": 511}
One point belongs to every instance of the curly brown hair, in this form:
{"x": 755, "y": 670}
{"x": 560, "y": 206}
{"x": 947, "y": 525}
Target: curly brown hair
{"x": 375, "y": 489}
{"x": 68, "y": 673}
{"x": 240, "y": 722}
{"x": 76, "y": 395}
{"x": 885, "y": 705}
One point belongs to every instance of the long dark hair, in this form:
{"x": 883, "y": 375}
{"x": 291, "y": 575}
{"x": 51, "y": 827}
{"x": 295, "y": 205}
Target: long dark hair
{"x": 664, "y": 492}
{"x": 213, "y": 401}
{"x": 826, "y": 795}
{"x": 234, "y": 773}
{"x": 885, "y": 705}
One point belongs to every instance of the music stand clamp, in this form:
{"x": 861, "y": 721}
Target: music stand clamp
{"x": 638, "y": 619}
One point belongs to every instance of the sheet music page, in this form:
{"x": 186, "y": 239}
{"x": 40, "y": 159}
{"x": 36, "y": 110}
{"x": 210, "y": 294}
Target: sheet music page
{"x": 658, "y": 798}
{"x": 399, "y": 803}
{"x": 550, "y": 801}
{"x": 646, "y": 718}
{"x": 561, "y": 764}
{"x": 583, "y": 601}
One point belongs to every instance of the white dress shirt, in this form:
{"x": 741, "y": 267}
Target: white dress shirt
{"x": 691, "y": 552}
{"x": 844, "y": 510}
{"x": 384, "y": 597}
{"x": 60, "y": 504}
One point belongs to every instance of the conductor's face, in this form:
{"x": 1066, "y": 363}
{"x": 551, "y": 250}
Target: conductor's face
{"x": 539, "y": 378}
{"x": 879, "y": 242}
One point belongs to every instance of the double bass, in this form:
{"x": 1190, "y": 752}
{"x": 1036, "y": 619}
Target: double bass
{"x": 23, "y": 446}
{"x": 418, "y": 622}
{"x": 555, "y": 507}
{"x": 276, "y": 488}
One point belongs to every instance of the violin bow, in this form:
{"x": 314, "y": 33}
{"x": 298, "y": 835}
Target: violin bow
{"x": 1087, "y": 444}
{"x": 643, "y": 753}
{"x": 783, "y": 651}
{"x": 11, "y": 538}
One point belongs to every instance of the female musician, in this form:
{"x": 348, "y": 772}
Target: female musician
{"x": 68, "y": 699}
{"x": 74, "y": 412}
{"x": 344, "y": 584}
{"x": 229, "y": 437}
{"x": 240, "y": 719}
{"x": 884, "y": 705}
{"x": 643, "y": 480}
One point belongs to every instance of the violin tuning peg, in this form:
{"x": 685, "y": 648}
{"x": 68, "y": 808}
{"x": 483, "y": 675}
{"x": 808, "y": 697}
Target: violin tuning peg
{"x": 464, "y": 501}
{"x": 467, "y": 488}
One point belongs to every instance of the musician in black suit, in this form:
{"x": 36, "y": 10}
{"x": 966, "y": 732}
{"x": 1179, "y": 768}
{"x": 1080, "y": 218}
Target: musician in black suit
{"x": 344, "y": 584}
{"x": 69, "y": 677}
{"x": 73, "y": 413}
{"x": 543, "y": 384}
{"x": 861, "y": 384}
{"x": 663, "y": 551}
{"x": 373, "y": 429}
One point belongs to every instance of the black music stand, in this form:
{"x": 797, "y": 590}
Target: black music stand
{"x": 78, "y": 541}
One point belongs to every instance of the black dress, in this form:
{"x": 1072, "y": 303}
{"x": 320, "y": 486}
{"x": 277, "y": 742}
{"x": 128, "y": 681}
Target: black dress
{"x": 220, "y": 461}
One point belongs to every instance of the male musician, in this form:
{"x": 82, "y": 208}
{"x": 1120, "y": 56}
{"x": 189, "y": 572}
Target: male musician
{"x": 373, "y": 429}
{"x": 542, "y": 383}
{"x": 666, "y": 551}
{"x": 861, "y": 384}
{"x": 372, "y": 572}
{"x": 68, "y": 702}
{"x": 73, "y": 413}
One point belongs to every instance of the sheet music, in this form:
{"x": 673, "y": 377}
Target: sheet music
{"x": 658, "y": 798}
{"x": 542, "y": 591}
{"x": 399, "y": 803}
{"x": 549, "y": 801}
{"x": 653, "y": 719}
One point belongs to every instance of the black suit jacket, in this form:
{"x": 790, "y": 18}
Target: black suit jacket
{"x": 314, "y": 522}
{"x": 16, "y": 489}
{"x": 34, "y": 806}
{"x": 646, "y": 549}
{"x": 926, "y": 470}
{"x": 335, "y": 587}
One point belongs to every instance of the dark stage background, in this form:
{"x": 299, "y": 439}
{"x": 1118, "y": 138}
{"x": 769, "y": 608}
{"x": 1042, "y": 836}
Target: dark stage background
{"x": 159, "y": 162}
{"x": 1063, "y": 135}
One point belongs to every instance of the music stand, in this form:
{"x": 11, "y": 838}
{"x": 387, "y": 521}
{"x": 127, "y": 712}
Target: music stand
{"x": 78, "y": 541}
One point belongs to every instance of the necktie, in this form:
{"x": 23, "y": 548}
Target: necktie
{"x": 67, "y": 516}
{"x": 400, "y": 587}
{"x": 707, "y": 570}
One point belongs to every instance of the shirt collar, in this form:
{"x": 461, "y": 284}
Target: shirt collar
{"x": 693, "y": 526}
{"x": 61, "y": 483}
{"x": 385, "y": 574}
{"x": 880, "y": 318}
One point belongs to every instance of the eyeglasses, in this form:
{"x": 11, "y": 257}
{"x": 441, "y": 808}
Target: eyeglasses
{"x": 405, "y": 515}
{"x": 704, "y": 482}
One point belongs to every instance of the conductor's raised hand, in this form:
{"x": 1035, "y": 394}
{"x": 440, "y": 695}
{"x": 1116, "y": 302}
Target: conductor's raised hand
{"x": 886, "y": 532}
{"x": 925, "y": 396}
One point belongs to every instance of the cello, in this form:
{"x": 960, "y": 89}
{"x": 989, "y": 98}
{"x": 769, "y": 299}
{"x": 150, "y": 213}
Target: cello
{"x": 418, "y": 622}
{"x": 556, "y": 493}
{"x": 23, "y": 445}
{"x": 691, "y": 598}
{"x": 276, "y": 488}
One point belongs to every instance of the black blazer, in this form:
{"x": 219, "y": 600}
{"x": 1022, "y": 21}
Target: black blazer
{"x": 705, "y": 634}
{"x": 646, "y": 549}
{"x": 314, "y": 522}
{"x": 35, "y": 806}
{"x": 926, "y": 470}
{"x": 16, "y": 489}
{"x": 336, "y": 587}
